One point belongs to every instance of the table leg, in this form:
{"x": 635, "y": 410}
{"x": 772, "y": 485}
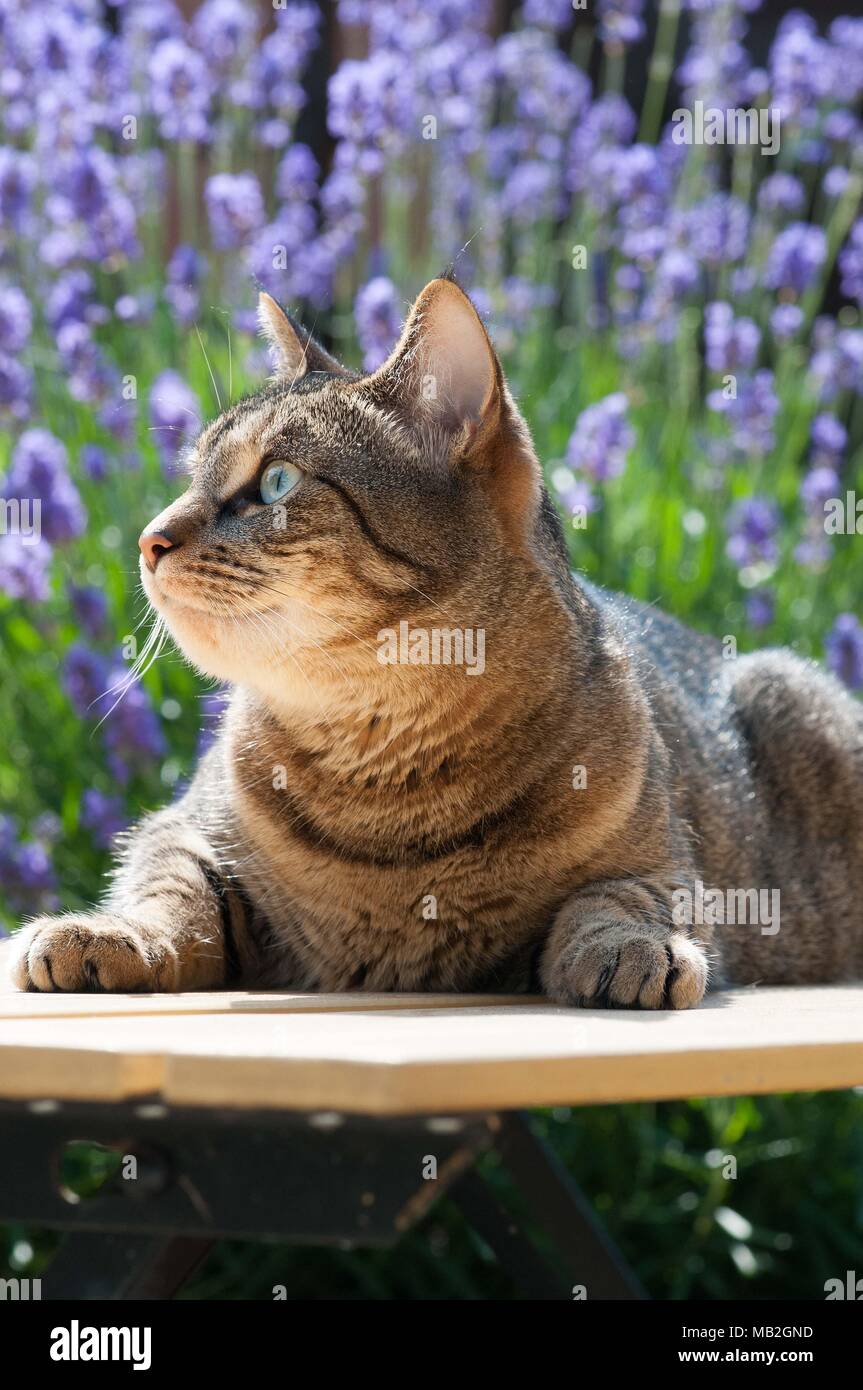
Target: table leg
{"x": 564, "y": 1213}
{"x": 123, "y": 1265}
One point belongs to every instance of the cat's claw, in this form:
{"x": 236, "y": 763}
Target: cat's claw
{"x": 91, "y": 952}
{"x": 626, "y": 966}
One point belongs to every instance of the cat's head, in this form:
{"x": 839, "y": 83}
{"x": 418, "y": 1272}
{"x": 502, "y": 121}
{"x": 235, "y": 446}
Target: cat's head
{"x": 330, "y": 506}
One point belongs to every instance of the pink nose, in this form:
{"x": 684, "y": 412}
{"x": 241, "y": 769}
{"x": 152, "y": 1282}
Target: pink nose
{"x": 153, "y": 546}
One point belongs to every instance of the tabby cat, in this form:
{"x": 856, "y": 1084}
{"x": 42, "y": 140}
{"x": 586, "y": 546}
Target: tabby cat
{"x": 426, "y": 824}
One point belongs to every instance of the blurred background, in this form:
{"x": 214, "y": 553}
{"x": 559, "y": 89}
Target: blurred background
{"x": 679, "y": 322}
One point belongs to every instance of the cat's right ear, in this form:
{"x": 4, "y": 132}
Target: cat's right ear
{"x": 295, "y": 351}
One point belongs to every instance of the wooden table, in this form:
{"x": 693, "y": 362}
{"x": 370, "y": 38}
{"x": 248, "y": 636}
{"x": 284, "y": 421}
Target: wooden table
{"x": 309, "y": 1116}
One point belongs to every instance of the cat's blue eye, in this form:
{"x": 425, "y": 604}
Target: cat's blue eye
{"x": 278, "y": 480}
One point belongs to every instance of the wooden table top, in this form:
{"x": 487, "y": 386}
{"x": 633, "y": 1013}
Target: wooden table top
{"x": 419, "y": 1054}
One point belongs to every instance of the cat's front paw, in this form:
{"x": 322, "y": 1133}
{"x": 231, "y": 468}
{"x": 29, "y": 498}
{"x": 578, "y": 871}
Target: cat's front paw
{"x": 90, "y": 952}
{"x": 626, "y": 966}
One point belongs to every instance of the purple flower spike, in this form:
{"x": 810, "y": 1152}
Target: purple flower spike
{"x": 90, "y": 607}
{"x": 731, "y": 344}
{"x": 180, "y": 91}
{"x": 24, "y": 568}
{"x": 236, "y": 209}
{"x": 15, "y": 319}
{"x": 26, "y": 872}
{"x": 602, "y": 439}
{"x": 378, "y": 319}
{"x": 104, "y": 816}
{"x": 40, "y": 472}
{"x": 85, "y": 680}
{"x": 851, "y": 264}
{"x": 795, "y": 257}
{"x": 843, "y": 649}
{"x": 174, "y": 415}
{"x": 752, "y": 527}
{"x": 620, "y": 21}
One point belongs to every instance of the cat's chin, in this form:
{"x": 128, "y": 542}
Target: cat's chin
{"x": 210, "y": 641}
{"x": 207, "y": 647}
{"x": 196, "y": 629}
{"x": 258, "y": 650}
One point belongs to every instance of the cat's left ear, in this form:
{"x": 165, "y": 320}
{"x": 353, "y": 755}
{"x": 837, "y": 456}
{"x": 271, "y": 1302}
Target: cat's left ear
{"x": 444, "y": 371}
{"x": 294, "y": 350}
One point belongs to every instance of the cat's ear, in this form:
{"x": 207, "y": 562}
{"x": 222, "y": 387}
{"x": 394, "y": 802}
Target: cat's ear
{"x": 295, "y": 351}
{"x": 444, "y": 371}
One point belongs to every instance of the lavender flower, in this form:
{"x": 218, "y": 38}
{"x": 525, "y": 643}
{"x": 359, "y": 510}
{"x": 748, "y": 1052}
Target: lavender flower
{"x": 760, "y": 608}
{"x": 102, "y": 691}
{"x": 70, "y": 300}
{"x": 843, "y": 650}
{"x": 602, "y": 439}
{"x": 279, "y": 62}
{"x": 15, "y": 319}
{"x": 85, "y": 678}
{"x": 133, "y": 734}
{"x": 272, "y": 254}
{"x": 575, "y": 494}
{"x": 378, "y": 319}
{"x": 835, "y": 181}
{"x": 750, "y": 413}
{"x": 786, "y": 321}
{"x": 17, "y": 182}
{"x": 180, "y": 91}
{"x": 92, "y": 212}
{"x": 795, "y": 257}
{"x": 297, "y": 175}
{"x": 104, "y": 816}
{"x": 549, "y": 94}
{"x": 530, "y": 193}
{"x": 236, "y": 209}
{"x": 131, "y": 308}
{"x": 212, "y": 709}
{"x": 781, "y": 192}
{"x": 837, "y": 363}
{"x": 94, "y": 462}
{"x": 752, "y": 526}
{"x": 819, "y": 485}
{"x": 24, "y": 568}
{"x": 716, "y": 67}
{"x": 829, "y": 438}
{"x": 677, "y": 274}
{"x": 851, "y": 264}
{"x": 174, "y": 414}
{"x": 183, "y": 277}
{"x": 371, "y": 107}
{"x": 40, "y": 470}
{"x": 620, "y": 21}
{"x": 224, "y": 31}
{"x": 803, "y": 69}
{"x": 88, "y": 374}
{"x": 608, "y": 123}
{"x": 16, "y": 389}
{"x": 314, "y": 267}
{"x": 26, "y": 873}
{"x": 90, "y": 607}
{"x": 718, "y": 229}
{"x": 731, "y": 344}
{"x": 841, "y": 126}
{"x": 556, "y": 15}
{"x": 846, "y": 36}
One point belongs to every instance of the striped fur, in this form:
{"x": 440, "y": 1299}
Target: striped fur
{"x": 396, "y": 827}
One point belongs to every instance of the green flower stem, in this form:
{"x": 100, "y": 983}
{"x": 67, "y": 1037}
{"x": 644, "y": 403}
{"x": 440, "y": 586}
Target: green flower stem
{"x": 659, "y": 73}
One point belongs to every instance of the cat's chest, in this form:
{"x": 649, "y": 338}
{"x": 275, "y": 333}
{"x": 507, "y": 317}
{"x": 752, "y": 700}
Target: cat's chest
{"x": 445, "y": 923}
{"x": 406, "y": 887}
